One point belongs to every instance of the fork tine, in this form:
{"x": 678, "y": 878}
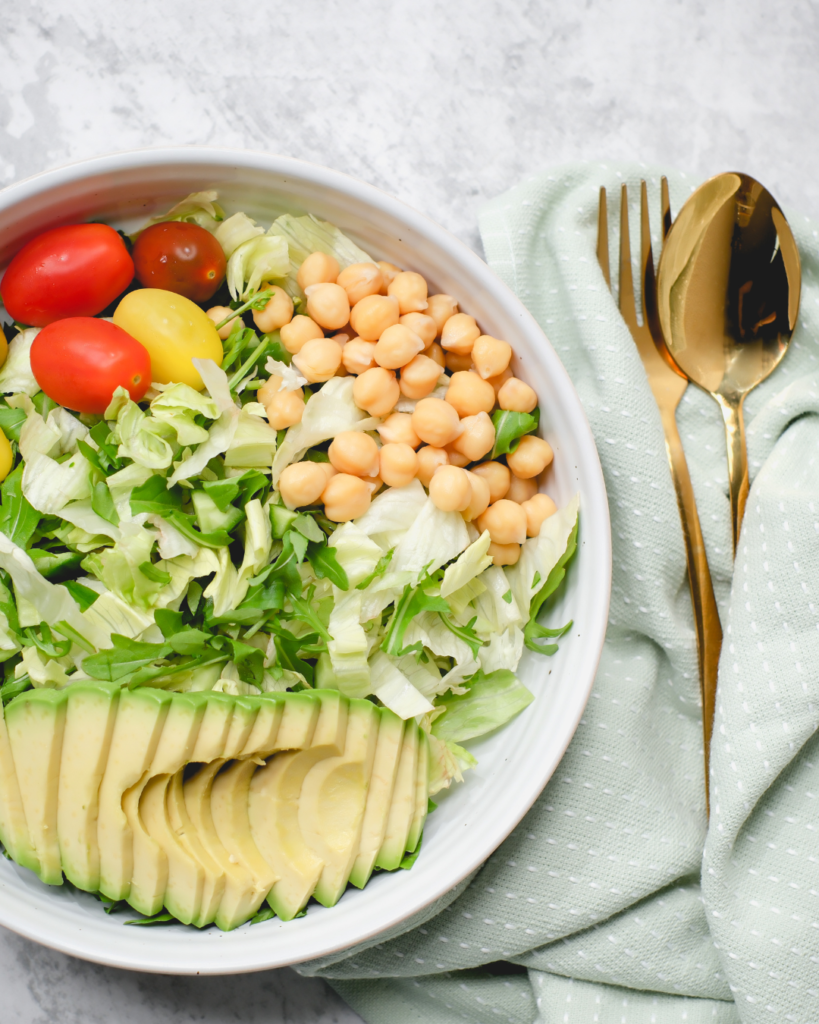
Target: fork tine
{"x": 665, "y": 206}
{"x": 646, "y": 255}
{"x": 603, "y": 236}
{"x": 626, "y": 284}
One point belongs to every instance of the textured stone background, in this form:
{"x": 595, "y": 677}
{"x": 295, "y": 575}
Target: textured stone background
{"x": 443, "y": 104}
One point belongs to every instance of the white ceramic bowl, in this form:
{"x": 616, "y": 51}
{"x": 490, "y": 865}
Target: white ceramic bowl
{"x": 516, "y": 762}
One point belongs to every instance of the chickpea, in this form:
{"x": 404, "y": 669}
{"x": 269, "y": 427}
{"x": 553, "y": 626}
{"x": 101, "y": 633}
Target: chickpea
{"x": 477, "y": 436}
{"x": 397, "y": 429}
{"x": 429, "y": 459}
{"x": 441, "y": 308}
{"x": 459, "y": 334}
{"x": 360, "y": 280}
{"x": 346, "y": 497}
{"x": 298, "y": 332}
{"x": 504, "y": 554}
{"x": 479, "y": 500}
{"x": 437, "y": 353}
{"x": 328, "y": 305}
{"x": 318, "y": 268}
{"x": 399, "y": 464}
{"x": 389, "y": 272}
{"x": 533, "y": 455}
{"x": 371, "y": 316}
{"x": 516, "y": 396}
{"x": 411, "y": 291}
{"x": 456, "y": 458}
{"x": 491, "y": 356}
{"x": 277, "y": 312}
{"x": 375, "y": 483}
{"x": 376, "y": 391}
{"x": 468, "y": 394}
{"x": 505, "y": 521}
{"x": 419, "y": 377}
{"x": 318, "y": 359}
{"x": 450, "y": 489}
{"x": 397, "y": 346}
{"x": 458, "y": 364}
{"x": 354, "y": 452}
{"x": 422, "y": 325}
{"x": 302, "y": 483}
{"x": 217, "y": 314}
{"x": 498, "y": 382}
{"x": 358, "y": 355}
{"x": 497, "y": 476}
{"x": 521, "y": 490}
{"x": 435, "y": 421}
{"x": 538, "y": 509}
{"x": 283, "y": 408}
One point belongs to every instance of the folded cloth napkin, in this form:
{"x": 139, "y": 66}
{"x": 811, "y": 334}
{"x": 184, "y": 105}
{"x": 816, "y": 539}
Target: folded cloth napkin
{"x": 613, "y": 894}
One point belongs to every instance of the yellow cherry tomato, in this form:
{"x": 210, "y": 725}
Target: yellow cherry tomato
{"x": 6, "y": 457}
{"x": 174, "y": 330}
{"x": 4, "y": 349}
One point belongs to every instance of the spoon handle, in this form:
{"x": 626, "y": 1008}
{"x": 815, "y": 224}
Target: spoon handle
{"x": 706, "y": 617}
{"x": 734, "y": 421}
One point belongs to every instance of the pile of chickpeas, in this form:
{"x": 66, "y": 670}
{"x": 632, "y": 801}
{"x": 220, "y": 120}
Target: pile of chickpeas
{"x": 379, "y": 324}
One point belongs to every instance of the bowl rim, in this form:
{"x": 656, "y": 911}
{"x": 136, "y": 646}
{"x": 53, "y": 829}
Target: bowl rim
{"x": 596, "y": 611}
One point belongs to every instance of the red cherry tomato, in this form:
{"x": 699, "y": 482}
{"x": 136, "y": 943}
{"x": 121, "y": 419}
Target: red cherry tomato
{"x": 72, "y": 271}
{"x": 80, "y": 362}
{"x": 181, "y": 258}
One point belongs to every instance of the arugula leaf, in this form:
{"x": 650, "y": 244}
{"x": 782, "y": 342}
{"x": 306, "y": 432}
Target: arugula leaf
{"x": 107, "y": 454}
{"x": 169, "y": 622}
{"x": 184, "y": 523}
{"x": 190, "y": 641}
{"x": 103, "y": 504}
{"x": 465, "y": 633}
{"x": 154, "y": 497}
{"x": 248, "y": 660}
{"x": 65, "y": 629}
{"x": 18, "y": 520}
{"x": 11, "y": 422}
{"x": 325, "y": 563}
{"x": 533, "y": 631}
{"x": 223, "y": 492}
{"x": 411, "y": 603}
{"x": 45, "y": 642}
{"x": 163, "y": 917}
{"x": 8, "y": 606}
{"x": 510, "y": 428}
{"x": 13, "y": 688}
{"x": 288, "y": 648}
{"x": 305, "y": 611}
{"x": 154, "y": 574}
{"x": 308, "y": 528}
{"x": 124, "y": 658}
{"x": 84, "y": 596}
{"x": 379, "y": 570}
{"x": 265, "y": 914}
{"x": 97, "y": 460}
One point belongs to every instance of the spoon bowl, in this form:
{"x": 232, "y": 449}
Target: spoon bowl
{"x": 728, "y": 288}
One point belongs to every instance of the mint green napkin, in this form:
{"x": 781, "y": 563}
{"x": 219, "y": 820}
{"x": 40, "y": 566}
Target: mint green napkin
{"x": 604, "y": 892}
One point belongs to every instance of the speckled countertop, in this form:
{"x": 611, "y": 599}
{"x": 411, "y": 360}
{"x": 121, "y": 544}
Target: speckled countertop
{"x": 443, "y": 104}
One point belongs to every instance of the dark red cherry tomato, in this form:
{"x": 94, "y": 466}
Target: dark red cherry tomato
{"x": 180, "y": 257}
{"x": 76, "y": 270}
{"x": 79, "y": 363}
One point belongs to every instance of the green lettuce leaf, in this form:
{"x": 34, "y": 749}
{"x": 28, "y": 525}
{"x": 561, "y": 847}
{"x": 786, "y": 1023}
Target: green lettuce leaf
{"x": 490, "y": 701}
{"x": 510, "y": 428}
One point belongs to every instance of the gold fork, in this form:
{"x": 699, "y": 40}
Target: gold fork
{"x": 667, "y": 386}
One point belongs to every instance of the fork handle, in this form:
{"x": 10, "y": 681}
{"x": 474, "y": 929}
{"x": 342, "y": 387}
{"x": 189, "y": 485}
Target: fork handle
{"x": 706, "y": 616}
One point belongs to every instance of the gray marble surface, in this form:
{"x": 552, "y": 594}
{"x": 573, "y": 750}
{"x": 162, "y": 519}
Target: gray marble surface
{"x": 443, "y": 104}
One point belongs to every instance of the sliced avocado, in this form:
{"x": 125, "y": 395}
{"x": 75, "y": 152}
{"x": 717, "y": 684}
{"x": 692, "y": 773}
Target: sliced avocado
{"x": 35, "y": 721}
{"x": 273, "y": 806}
{"x": 419, "y": 814}
{"x": 185, "y": 875}
{"x": 382, "y": 783}
{"x": 245, "y": 710}
{"x": 214, "y": 877}
{"x": 137, "y": 730}
{"x": 91, "y": 710}
{"x": 262, "y": 739}
{"x": 239, "y": 895}
{"x": 333, "y": 799}
{"x": 299, "y": 718}
{"x": 402, "y": 805}
{"x": 213, "y": 731}
{"x": 14, "y": 833}
{"x": 150, "y": 875}
{"x": 228, "y": 805}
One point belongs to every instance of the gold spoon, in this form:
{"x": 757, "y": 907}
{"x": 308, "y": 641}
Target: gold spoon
{"x": 728, "y": 289}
